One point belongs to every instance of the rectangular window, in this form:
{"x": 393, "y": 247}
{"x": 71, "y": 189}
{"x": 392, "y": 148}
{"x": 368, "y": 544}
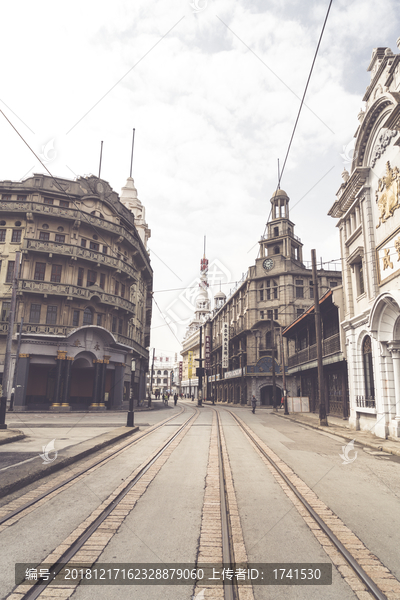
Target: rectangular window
{"x": 102, "y": 281}
{"x": 99, "y": 319}
{"x": 94, "y": 246}
{"x": 3, "y": 235}
{"x": 299, "y": 288}
{"x": 311, "y": 289}
{"x": 51, "y": 317}
{"x": 261, "y": 314}
{"x": 114, "y": 324}
{"x": 261, "y": 295}
{"x": 105, "y": 249}
{"x": 6, "y": 197}
{"x": 360, "y": 269}
{"x": 64, "y": 203}
{"x": 16, "y": 235}
{"x": 120, "y": 324}
{"x": 270, "y": 314}
{"x": 75, "y": 318}
{"x": 44, "y": 236}
{"x": 55, "y": 273}
{"x": 91, "y": 278}
{"x": 80, "y": 276}
{"x": 5, "y": 310}
{"x": 10, "y": 271}
{"x": 275, "y": 314}
{"x": 122, "y": 291}
{"x": 60, "y": 238}
{"x": 83, "y": 243}
{"x": 21, "y": 198}
{"x": 34, "y": 316}
{"x": 116, "y": 288}
{"x": 40, "y": 270}
{"x": 48, "y": 200}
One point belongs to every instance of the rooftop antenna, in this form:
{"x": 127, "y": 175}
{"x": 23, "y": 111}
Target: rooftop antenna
{"x": 133, "y": 141}
{"x": 101, "y": 154}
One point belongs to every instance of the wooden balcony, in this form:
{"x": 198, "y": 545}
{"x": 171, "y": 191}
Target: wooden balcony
{"x": 330, "y": 346}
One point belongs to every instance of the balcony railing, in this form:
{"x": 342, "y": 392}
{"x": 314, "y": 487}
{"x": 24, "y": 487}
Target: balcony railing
{"x": 365, "y": 402}
{"x": 73, "y": 291}
{"x": 79, "y": 252}
{"x": 284, "y": 231}
{"x": 330, "y": 345}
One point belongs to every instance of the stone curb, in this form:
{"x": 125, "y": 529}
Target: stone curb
{"x": 71, "y": 455}
{"x": 337, "y": 430}
{"x": 15, "y": 436}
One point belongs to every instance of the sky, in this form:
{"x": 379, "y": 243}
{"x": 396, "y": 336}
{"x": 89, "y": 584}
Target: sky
{"x": 212, "y": 89}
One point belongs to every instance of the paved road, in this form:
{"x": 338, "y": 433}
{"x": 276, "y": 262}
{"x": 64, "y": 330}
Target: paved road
{"x": 164, "y": 526}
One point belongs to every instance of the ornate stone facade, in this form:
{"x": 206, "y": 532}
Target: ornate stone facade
{"x": 83, "y": 292}
{"x": 369, "y": 226}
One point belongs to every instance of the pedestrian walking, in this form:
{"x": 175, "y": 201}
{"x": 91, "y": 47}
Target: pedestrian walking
{"x": 175, "y": 399}
{"x": 253, "y": 404}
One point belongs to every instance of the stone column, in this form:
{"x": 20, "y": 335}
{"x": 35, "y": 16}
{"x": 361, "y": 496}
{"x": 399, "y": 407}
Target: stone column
{"x": 96, "y": 405}
{"x": 394, "y": 425}
{"x": 65, "y": 404}
{"x": 61, "y": 356}
{"x": 21, "y": 382}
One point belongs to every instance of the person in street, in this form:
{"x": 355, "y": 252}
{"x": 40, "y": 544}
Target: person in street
{"x": 192, "y": 397}
{"x": 253, "y": 404}
{"x": 175, "y": 399}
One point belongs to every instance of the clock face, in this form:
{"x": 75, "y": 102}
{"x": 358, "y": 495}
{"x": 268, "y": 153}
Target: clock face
{"x": 268, "y": 264}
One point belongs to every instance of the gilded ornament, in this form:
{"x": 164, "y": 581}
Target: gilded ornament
{"x": 387, "y": 194}
{"x": 386, "y": 260}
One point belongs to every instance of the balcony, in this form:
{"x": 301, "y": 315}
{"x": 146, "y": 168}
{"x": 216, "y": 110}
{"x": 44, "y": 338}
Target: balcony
{"x": 330, "y": 346}
{"x": 79, "y": 216}
{"x": 283, "y": 231}
{"x": 78, "y": 252}
{"x": 73, "y": 291}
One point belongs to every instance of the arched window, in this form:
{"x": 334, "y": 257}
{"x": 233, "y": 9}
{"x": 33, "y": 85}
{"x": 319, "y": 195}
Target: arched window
{"x": 88, "y": 316}
{"x": 368, "y": 369}
{"x": 165, "y": 372}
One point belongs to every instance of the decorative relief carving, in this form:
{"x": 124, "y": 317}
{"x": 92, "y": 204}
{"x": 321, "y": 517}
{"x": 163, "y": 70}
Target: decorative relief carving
{"x": 384, "y": 141}
{"x": 387, "y": 263}
{"x": 387, "y": 194}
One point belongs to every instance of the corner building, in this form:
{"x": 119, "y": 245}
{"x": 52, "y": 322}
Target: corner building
{"x": 273, "y": 293}
{"x": 84, "y": 293}
{"x": 369, "y": 225}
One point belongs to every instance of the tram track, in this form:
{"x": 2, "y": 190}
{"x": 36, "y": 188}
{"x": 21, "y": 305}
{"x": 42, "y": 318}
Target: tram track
{"x": 16, "y": 509}
{"x": 338, "y": 541}
{"x": 86, "y": 543}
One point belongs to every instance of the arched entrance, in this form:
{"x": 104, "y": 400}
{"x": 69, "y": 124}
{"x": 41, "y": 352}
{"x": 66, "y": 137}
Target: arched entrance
{"x": 81, "y": 381}
{"x": 266, "y": 397}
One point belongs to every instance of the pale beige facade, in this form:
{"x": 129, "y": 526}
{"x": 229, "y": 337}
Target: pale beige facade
{"x": 369, "y": 225}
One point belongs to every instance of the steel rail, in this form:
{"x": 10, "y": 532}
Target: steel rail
{"x": 41, "y": 585}
{"x": 228, "y": 557}
{"x": 371, "y": 585}
{"x": 83, "y": 471}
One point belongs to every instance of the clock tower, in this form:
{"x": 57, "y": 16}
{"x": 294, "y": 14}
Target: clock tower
{"x": 279, "y": 240}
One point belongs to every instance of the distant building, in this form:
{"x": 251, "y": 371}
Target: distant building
{"x": 273, "y": 293}
{"x": 163, "y": 372}
{"x": 369, "y": 225}
{"x": 84, "y": 293}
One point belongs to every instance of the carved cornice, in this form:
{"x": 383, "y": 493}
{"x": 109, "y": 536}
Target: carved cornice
{"x": 350, "y": 190}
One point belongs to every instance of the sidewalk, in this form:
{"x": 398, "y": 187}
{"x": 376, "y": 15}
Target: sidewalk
{"x": 20, "y": 473}
{"x": 340, "y": 427}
